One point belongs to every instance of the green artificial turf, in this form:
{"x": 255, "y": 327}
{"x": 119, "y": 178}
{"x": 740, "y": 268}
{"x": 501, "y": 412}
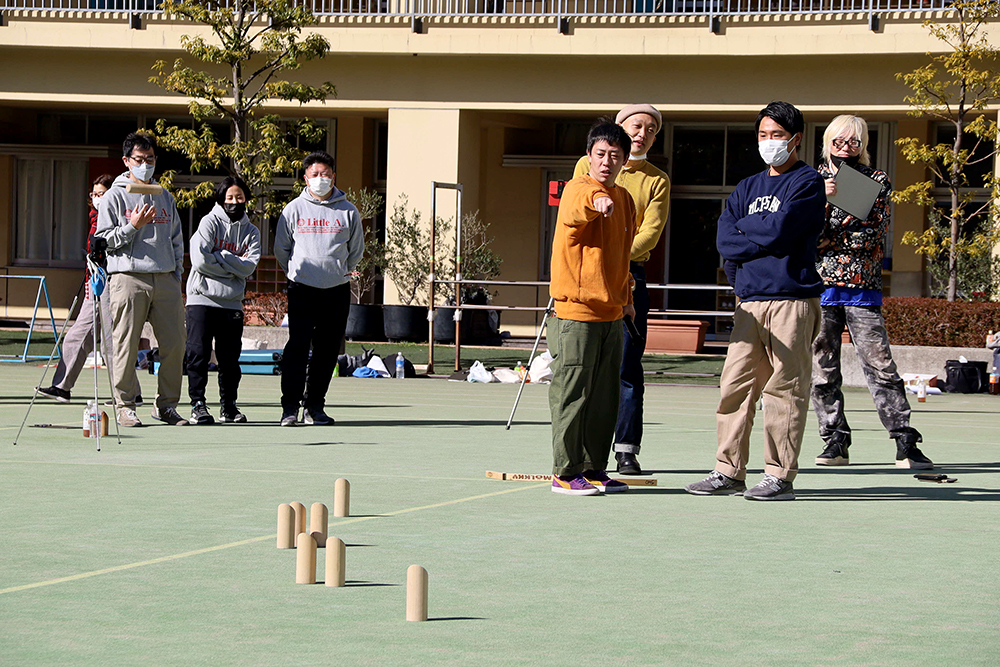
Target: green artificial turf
{"x": 161, "y": 550}
{"x": 12, "y": 343}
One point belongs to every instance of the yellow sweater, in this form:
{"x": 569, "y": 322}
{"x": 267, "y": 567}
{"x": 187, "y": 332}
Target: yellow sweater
{"x": 590, "y": 277}
{"x": 650, "y": 190}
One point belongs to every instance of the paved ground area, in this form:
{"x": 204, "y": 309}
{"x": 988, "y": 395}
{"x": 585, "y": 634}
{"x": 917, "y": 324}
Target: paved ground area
{"x": 161, "y": 550}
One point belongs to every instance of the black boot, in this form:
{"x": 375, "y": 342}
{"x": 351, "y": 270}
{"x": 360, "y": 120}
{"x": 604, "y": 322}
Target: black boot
{"x": 834, "y": 454}
{"x": 627, "y": 463}
{"x": 908, "y": 455}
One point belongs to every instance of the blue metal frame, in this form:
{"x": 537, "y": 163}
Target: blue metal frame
{"x": 42, "y": 287}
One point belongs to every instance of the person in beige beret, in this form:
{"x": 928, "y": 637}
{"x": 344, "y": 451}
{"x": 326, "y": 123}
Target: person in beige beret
{"x": 650, "y": 189}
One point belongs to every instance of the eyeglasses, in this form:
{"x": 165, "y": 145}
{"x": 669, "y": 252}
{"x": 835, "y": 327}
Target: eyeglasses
{"x": 139, "y": 159}
{"x": 844, "y": 143}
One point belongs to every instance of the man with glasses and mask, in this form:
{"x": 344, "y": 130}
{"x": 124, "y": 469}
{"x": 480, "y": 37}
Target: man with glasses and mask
{"x": 318, "y": 243}
{"x": 145, "y": 263}
{"x": 767, "y": 238}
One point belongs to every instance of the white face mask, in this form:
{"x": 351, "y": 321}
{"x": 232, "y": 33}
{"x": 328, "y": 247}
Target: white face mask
{"x": 774, "y": 152}
{"x": 143, "y": 172}
{"x": 95, "y": 200}
{"x": 320, "y": 186}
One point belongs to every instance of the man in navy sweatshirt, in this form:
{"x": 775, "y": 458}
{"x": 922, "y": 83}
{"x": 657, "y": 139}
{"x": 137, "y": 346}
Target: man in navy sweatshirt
{"x": 767, "y": 238}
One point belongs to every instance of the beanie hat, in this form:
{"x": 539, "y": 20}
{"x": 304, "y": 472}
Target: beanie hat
{"x": 633, "y": 109}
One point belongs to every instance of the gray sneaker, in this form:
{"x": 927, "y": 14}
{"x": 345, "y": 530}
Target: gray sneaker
{"x": 128, "y": 418}
{"x": 290, "y": 418}
{"x": 169, "y": 416}
{"x": 717, "y": 484}
{"x": 771, "y": 488}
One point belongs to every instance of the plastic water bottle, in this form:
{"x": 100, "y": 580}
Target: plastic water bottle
{"x": 400, "y": 366}
{"x": 91, "y": 420}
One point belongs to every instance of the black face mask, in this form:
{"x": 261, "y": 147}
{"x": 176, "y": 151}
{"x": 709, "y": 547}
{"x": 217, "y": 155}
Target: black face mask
{"x": 235, "y": 211}
{"x": 851, "y": 161}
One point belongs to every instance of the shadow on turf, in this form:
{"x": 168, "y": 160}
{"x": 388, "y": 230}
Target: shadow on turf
{"x": 363, "y": 584}
{"x": 395, "y": 422}
{"x": 329, "y": 406}
{"x": 457, "y": 618}
{"x": 441, "y": 422}
{"x": 940, "y": 412}
{"x": 952, "y": 492}
{"x": 856, "y": 468}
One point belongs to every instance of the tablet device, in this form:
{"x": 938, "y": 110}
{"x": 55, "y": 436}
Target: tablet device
{"x": 856, "y": 193}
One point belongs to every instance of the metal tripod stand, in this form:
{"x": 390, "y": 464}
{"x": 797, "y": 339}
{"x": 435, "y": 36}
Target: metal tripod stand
{"x": 97, "y": 279}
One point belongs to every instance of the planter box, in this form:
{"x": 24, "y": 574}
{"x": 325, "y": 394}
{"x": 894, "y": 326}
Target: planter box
{"x": 364, "y": 322}
{"x": 476, "y": 327}
{"x": 405, "y": 323}
{"x": 676, "y": 336}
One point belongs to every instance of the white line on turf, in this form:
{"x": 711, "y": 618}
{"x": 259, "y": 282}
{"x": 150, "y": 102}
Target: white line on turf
{"x": 261, "y": 538}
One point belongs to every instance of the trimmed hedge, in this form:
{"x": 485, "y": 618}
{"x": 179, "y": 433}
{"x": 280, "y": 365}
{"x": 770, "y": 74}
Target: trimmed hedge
{"x": 265, "y": 308}
{"x": 938, "y": 322}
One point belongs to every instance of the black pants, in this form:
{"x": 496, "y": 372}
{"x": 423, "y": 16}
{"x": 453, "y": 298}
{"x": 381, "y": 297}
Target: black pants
{"x": 317, "y": 318}
{"x": 226, "y": 326}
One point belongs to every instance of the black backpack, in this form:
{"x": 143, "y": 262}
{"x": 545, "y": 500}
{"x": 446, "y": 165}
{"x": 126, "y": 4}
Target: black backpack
{"x": 390, "y": 365}
{"x": 969, "y": 377}
{"x": 347, "y": 364}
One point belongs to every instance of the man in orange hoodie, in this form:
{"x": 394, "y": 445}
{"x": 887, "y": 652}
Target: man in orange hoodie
{"x": 592, "y": 289}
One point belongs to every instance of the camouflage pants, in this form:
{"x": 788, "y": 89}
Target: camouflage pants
{"x": 872, "y": 345}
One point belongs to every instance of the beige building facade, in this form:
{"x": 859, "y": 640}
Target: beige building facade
{"x": 497, "y": 102}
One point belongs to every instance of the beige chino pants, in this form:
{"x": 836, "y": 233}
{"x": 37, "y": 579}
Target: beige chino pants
{"x": 770, "y": 353}
{"x": 136, "y": 298}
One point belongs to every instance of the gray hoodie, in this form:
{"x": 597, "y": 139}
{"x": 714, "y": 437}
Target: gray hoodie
{"x": 156, "y": 248}
{"x": 319, "y": 241}
{"x": 223, "y": 255}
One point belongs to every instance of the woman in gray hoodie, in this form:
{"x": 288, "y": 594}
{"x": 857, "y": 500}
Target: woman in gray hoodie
{"x": 224, "y": 253}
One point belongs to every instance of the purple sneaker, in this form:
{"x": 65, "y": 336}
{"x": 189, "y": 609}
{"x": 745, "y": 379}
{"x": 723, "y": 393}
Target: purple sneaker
{"x": 576, "y": 486}
{"x": 600, "y": 479}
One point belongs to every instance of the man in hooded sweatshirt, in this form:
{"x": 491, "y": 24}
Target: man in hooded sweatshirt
{"x": 145, "y": 263}
{"x": 224, "y": 253}
{"x": 319, "y": 242}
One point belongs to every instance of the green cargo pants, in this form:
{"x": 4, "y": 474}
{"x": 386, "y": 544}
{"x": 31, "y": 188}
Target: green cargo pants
{"x": 583, "y": 396}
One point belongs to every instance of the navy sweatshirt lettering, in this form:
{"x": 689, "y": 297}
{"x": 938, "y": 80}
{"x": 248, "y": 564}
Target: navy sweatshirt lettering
{"x": 768, "y": 235}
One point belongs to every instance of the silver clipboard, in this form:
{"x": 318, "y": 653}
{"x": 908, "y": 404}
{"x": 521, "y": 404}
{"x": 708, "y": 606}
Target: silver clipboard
{"x": 856, "y": 193}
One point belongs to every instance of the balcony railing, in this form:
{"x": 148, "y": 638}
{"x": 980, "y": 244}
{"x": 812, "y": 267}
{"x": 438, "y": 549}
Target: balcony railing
{"x": 528, "y": 8}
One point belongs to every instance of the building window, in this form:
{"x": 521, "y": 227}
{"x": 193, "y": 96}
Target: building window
{"x": 381, "y": 153}
{"x": 980, "y": 170}
{"x": 709, "y": 160}
{"x": 51, "y": 222}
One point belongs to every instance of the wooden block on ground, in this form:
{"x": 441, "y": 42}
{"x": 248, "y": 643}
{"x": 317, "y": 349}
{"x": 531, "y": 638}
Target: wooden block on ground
{"x": 522, "y": 477}
{"x": 525, "y": 477}
{"x": 637, "y": 481}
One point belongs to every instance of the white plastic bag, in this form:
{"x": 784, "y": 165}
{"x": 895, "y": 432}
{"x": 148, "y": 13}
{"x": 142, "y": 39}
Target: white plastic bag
{"x": 507, "y": 375}
{"x": 478, "y": 373}
{"x": 376, "y": 365}
{"x": 541, "y": 370}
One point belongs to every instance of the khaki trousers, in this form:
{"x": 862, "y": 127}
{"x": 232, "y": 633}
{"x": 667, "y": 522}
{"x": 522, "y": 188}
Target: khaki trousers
{"x": 136, "y": 298}
{"x": 770, "y": 353}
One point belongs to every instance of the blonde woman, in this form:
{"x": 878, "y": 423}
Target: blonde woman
{"x": 849, "y": 261}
